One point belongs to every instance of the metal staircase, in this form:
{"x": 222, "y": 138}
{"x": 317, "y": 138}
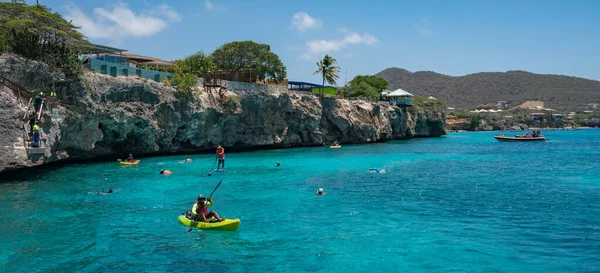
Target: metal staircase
{"x": 27, "y": 141}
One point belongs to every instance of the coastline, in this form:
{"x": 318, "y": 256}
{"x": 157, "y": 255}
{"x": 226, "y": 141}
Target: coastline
{"x": 105, "y": 117}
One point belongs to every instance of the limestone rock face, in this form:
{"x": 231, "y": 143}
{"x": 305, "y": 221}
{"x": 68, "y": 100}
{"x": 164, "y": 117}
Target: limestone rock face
{"x": 109, "y": 117}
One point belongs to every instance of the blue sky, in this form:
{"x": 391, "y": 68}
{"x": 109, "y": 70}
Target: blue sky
{"x": 449, "y": 37}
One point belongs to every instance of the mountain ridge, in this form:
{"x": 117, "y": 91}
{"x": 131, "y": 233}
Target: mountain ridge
{"x": 514, "y": 86}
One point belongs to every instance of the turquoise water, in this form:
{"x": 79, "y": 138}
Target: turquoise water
{"x": 462, "y": 203}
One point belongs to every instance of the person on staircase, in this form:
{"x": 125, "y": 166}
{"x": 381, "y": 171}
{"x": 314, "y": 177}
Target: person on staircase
{"x": 37, "y": 102}
{"x": 36, "y": 136}
{"x": 31, "y": 122}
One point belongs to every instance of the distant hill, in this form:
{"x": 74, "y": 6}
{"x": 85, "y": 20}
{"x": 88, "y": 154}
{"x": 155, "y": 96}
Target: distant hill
{"x": 515, "y": 87}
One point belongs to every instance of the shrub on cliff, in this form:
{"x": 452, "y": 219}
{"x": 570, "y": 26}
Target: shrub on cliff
{"x": 36, "y": 33}
{"x": 188, "y": 71}
{"x": 429, "y": 104}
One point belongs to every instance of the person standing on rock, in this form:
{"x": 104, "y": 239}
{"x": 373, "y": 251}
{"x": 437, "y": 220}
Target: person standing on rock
{"x": 220, "y": 157}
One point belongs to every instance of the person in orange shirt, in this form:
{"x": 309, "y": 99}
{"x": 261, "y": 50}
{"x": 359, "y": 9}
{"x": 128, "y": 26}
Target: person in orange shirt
{"x": 220, "y": 157}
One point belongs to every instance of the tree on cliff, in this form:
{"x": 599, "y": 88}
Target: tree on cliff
{"x": 329, "y": 71}
{"x": 237, "y": 56}
{"x": 36, "y": 33}
{"x": 189, "y": 70}
{"x": 198, "y": 64}
{"x": 366, "y": 86}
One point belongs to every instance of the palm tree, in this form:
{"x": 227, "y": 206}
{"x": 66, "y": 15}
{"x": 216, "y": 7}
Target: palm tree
{"x": 328, "y": 70}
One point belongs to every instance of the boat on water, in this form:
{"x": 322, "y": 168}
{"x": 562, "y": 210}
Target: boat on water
{"x": 503, "y": 138}
{"x": 125, "y": 163}
{"x": 335, "y": 146}
{"x": 225, "y": 225}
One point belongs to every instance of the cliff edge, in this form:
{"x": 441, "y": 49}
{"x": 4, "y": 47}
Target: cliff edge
{"x": 109, "y": 117}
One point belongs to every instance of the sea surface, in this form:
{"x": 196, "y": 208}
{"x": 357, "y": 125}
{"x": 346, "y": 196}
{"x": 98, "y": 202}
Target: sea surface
{"x": 459, "y": 203}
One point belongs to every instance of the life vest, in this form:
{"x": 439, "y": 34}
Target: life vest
{"x": 204, "y": 210}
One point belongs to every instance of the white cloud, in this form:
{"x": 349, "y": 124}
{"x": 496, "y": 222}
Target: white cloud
{"x": 168, "y": 12}
{"x": 424, "y": 31}
{"x": 209, "y": 5}
{"x": 319, "y": 47}
{"x": 302, "y": 21}
{"x": 119, "y": 21}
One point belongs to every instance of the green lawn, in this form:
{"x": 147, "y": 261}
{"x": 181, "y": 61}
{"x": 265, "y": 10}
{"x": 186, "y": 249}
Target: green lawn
{"x": 328, "y": 90}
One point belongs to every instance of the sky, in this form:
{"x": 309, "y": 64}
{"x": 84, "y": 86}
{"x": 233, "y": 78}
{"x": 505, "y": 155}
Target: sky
{"x": 456, "y": 37}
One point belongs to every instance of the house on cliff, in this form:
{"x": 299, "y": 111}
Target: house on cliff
{"x": 116, "y": 62}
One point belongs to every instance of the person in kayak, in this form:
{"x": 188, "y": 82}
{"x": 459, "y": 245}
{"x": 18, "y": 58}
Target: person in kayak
{"x": 130, "y": 158}
{"x": 320, "y": 191}
{"x": 220, "y": 157}
{"x": 200, "y": 210}
{"x": 335, "y": 143}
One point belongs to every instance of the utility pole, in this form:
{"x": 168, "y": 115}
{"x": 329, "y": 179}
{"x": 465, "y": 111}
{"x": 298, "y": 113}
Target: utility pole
{"x": 346, "y": 77}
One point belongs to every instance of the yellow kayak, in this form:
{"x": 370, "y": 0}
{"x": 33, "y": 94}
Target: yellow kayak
{"x": 335, "y": 147}
{"x": 129, "y": 163}
{"x": 227, "y": 225}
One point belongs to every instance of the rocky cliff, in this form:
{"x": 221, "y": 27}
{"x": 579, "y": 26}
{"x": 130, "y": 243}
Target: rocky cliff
{"x": 107, "y": 117}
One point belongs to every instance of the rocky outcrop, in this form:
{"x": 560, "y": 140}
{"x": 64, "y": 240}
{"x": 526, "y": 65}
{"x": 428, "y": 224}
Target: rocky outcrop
{"x": 107, "y": 117}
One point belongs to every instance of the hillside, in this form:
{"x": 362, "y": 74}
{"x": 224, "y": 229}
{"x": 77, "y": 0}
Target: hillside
{"x": 558, "y": 92}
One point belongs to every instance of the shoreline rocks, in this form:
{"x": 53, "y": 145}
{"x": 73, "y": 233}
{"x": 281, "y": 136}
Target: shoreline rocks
{"x": 103, "y": 117}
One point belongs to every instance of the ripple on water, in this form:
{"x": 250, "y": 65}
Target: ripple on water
{"x": 461, "y": 203}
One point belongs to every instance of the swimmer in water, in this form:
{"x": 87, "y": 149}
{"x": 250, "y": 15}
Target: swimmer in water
{"x": 188, "y": 160}
{"x": 165, "y": 172}
{"x": 277, "y": 163}
{"x": 320, "y": 191}
{"x": 375, "y": 170}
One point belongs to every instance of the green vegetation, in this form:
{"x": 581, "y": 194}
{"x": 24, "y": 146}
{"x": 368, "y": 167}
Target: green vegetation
{"x": 237, "y": 56}
{"x": 232, "y": 100}
{"x": 36, "y": 33}
{"x": 183, "y": 81}
{"x": 188, "y": 71}
{"x": 475, "y": 120}
{"x": 329, "y": 71}
{"x": 329, "y": 90}
{"x": 425, "y": 103}
{"x": 198, "y": 64}
{"x": 376, "y": 82}
{"x": 366, "y": 86}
